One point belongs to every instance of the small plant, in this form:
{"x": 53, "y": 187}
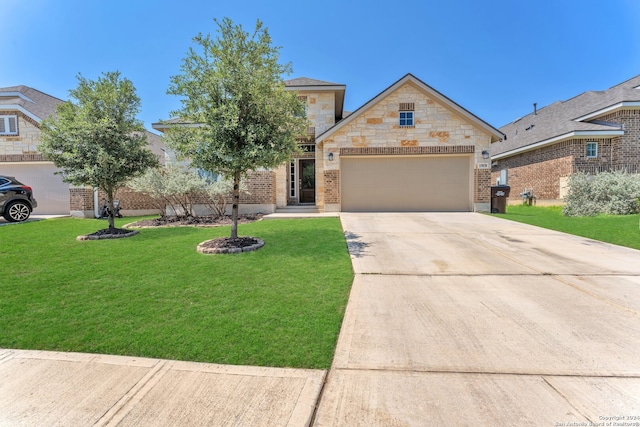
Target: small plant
{"x": 612, "y": 193}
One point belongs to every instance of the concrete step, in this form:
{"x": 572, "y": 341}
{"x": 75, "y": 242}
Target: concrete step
{"x": 298, "y": 209}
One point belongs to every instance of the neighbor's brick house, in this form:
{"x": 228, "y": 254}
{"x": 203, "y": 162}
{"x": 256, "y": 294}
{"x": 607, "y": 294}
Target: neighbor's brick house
{"x": 592, "y": 132}
{"x": 410, "y": 148}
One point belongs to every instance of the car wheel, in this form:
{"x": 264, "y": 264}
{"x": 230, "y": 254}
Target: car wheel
{"x": 17, "y": 212}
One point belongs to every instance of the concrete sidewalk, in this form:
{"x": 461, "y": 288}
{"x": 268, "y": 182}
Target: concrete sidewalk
{"x": 39, "y": 388}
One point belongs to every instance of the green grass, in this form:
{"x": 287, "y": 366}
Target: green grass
{"x": 623, "y": 230}
{"x": 153, "y": 295}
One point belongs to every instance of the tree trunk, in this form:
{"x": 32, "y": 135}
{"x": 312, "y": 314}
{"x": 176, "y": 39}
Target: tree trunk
{"x": 110, "y": 194}
{"x": 234, "y": 208}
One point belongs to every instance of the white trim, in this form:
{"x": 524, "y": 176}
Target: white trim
{"x": 21, "y": 109}
{"x": 577, "y": 133}
{"x": 16, "y": 94}
{"x": 624, "y": 104}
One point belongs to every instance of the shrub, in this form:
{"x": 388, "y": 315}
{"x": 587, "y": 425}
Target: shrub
{"x": 178, "y": 189}
{"x": 613, "y": 193}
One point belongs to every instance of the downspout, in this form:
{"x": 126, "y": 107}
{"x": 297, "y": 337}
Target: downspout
{"x": 96, "y": 209}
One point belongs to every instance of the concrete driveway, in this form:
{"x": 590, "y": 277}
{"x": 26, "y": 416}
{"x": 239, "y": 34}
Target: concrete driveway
{"x": 468, "y": 319}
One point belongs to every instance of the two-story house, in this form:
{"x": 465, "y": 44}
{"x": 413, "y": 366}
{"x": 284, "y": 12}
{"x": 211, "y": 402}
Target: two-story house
{"x": 409, "y": 148}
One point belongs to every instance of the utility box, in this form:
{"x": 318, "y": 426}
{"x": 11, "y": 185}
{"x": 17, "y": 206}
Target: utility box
{"x": 499, "y": 196}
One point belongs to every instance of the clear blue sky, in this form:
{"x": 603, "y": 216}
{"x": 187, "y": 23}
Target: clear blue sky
{"x": 493, "y": 57}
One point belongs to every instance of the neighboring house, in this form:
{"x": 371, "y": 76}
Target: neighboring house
{"x": 22, "y": 109}
{"x": 410, "y": 148}
{"x": 592, "y": 132}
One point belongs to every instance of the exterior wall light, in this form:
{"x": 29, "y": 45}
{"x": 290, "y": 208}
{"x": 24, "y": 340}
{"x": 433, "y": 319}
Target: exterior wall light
{"x": 331, "y": 157}
{"x": 485, "y": 154}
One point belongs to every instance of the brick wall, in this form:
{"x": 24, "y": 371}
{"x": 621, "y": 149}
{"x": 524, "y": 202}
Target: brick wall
{"x": 81, "y": 199}
{"x": 482, "y": 183}
{"x": 332, "y": 186}
{"x": 626, "y": 147}
{"x": 543, "y": 169}
{"x": 261, "y": 186}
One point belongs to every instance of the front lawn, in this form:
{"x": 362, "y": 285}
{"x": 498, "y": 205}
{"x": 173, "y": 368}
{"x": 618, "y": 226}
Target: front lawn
{"x": 153, "y": 295}
{"x": 623, "y": 230}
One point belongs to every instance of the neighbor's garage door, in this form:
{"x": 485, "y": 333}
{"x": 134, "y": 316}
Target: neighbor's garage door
{"x": 49, "y": 191}
{"x": 405, "y": 183}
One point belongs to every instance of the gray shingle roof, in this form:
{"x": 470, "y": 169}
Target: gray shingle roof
{"x": 559, "y": 118}
{"x": 306, "y": 81}
{"x": 38, "y": 104}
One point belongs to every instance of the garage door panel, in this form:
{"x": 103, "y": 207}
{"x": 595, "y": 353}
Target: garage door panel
{"x": 405, "y": 183}
{"x": 51, "y": 193}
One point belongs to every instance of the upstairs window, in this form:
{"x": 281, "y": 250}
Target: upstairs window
{"x": 8, "y": 125}
{"x": 592, "y": 150}
{"x": 406, "y": 118}
{"x": 406, "y": 110}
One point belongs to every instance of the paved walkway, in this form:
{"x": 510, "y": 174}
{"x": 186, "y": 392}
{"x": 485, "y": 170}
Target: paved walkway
{"x": 453, "y": 319}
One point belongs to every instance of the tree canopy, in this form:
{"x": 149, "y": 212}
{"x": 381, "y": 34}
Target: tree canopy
{"x": 96, "y": 139}
{"x": 237, "y": 116}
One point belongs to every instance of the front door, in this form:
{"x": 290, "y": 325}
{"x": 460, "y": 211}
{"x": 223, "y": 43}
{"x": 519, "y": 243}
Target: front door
{"x": 307, "y": 181}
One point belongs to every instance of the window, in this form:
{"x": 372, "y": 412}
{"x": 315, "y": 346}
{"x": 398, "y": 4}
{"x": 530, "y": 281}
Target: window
{"x": 592, "y": 150}
{"x": 406, "y": 110}
{"x": 8, "y": 125}
{"x": 292, "y": 179}
{"x": 406, "y": 118}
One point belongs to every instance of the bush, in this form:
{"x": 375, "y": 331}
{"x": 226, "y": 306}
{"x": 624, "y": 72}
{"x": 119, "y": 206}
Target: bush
{"x": 179, "y": 189}
{"x": 612, "y": 193}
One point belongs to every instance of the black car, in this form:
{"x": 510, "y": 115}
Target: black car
{"x": 16, "y": 199}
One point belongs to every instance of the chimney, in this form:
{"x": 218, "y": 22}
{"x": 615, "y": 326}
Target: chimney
{"x": 535, "y": 108}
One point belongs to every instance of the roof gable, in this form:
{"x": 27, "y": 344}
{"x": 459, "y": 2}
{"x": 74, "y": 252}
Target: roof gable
{"x": 430, "y": 92}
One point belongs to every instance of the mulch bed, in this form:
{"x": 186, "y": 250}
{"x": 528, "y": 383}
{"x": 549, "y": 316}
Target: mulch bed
{"x": 109, "y": 233}
{"x": 227, "y": 245}
{"x": 202, "y": 221}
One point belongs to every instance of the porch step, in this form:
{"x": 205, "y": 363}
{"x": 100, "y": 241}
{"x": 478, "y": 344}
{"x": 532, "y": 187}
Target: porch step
{"x": 298, "y": 209}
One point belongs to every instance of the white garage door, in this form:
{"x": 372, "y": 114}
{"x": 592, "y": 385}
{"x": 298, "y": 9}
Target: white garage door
{"x": 406, "y": 183}
{"x": 51, "y": 193}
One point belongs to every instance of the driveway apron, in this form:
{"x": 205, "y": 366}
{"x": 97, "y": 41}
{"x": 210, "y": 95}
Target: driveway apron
{"x": 469, "y": 319}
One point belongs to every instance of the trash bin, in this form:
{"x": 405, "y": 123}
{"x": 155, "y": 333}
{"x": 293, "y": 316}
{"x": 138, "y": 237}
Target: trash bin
{"x": 499, "y": 195}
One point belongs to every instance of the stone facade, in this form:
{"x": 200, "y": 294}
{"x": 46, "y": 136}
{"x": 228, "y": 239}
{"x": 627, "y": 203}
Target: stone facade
{"x": 437, "y": 130}
{"x": 24, "y": 146}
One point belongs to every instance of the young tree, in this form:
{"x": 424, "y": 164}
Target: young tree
{"x": 238, "y": 115}
{"x": 97, "y": 140}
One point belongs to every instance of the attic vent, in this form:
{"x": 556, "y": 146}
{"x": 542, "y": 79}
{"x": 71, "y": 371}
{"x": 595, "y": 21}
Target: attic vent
{"x": 407, "y": 106}
{"x": 302, "y": 98}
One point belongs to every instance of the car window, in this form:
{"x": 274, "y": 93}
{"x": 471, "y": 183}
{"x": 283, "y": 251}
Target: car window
{"x": 3, "y": 181}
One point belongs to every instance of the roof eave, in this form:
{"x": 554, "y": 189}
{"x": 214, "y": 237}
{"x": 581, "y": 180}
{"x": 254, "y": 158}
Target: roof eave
{"x": 559, "y": 138}
{"x": 619, "y": 105}
{"x": 22, "y": 110}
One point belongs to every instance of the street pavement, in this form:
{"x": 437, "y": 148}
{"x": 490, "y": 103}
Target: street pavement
{"x": 453, "y": 319}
